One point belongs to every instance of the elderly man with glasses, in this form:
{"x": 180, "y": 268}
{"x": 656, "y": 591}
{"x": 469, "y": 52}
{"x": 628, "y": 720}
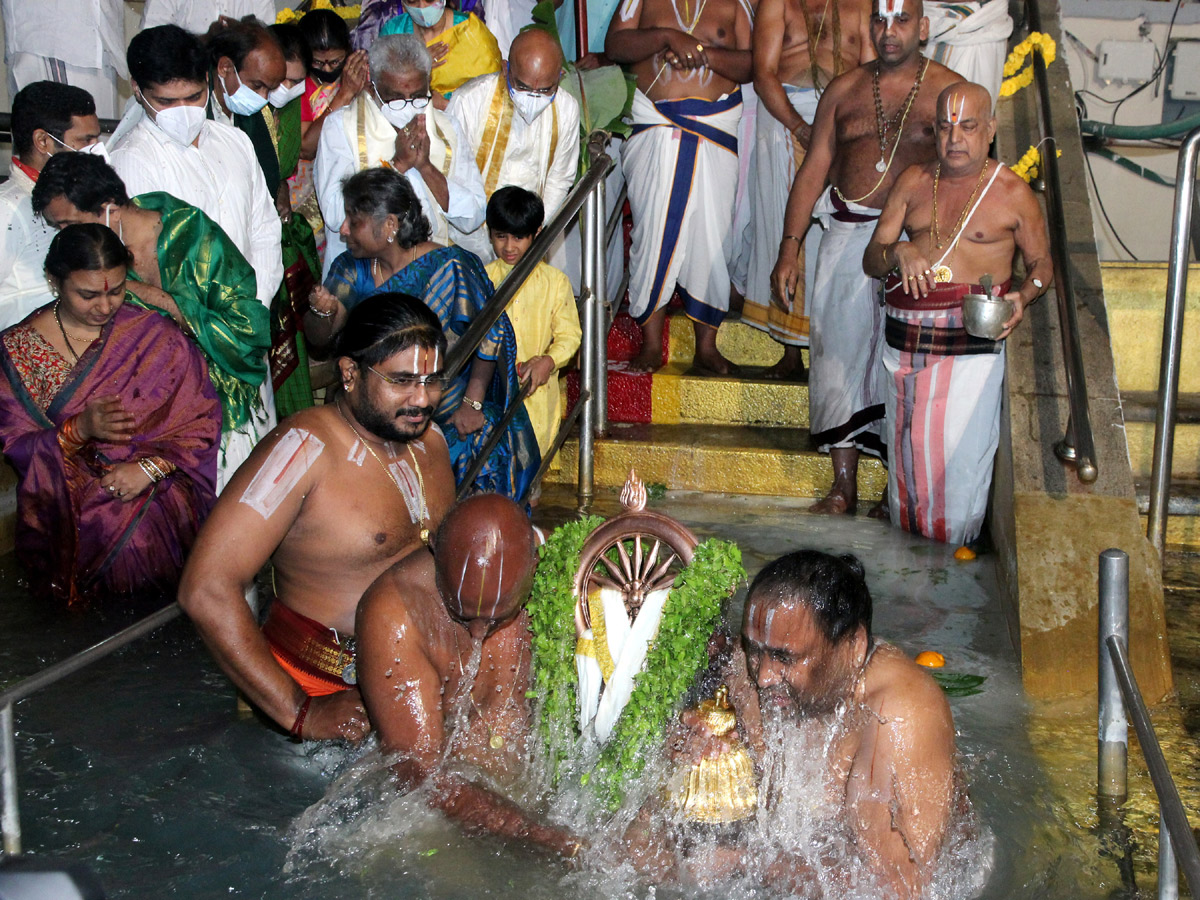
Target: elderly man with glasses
{"x": 520, "y": 128}
{"x": 393, "y": 124}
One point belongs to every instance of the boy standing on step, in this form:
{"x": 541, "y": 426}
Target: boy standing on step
{"x": 543, "y": 312}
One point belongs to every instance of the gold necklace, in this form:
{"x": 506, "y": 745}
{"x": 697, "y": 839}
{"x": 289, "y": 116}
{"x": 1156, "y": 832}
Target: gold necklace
{"x": 942, "y": 273}
{"x": 423, "y": 512}
{"x": 67, "y": 336}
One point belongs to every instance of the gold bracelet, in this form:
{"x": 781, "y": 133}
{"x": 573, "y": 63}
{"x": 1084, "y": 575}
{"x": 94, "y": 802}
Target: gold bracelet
{"x": 791, "y": 237}
{"x": 321, "y": 315}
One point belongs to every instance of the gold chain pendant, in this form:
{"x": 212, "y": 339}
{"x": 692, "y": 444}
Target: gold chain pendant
{"x": 942, "y": 275}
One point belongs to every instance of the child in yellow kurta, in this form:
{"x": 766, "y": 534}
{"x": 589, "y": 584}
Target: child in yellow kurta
{"x": 543, "y": 312}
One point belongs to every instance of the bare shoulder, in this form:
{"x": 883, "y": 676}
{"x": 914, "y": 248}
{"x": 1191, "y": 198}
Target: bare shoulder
{"x": 941, "y": 77}
{"x": 384, "y": 608}
{"x": 903, "y": 693}
{"x": 912, "y": 179}
{"x": 1014, "y": 189}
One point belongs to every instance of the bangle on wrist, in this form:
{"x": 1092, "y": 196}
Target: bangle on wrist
{"x": 791, "y": 237}
{"x": 68, "y": 437}
{"x": 476, "y": 405}
{"x": 297, "y": 728}
{"x": 321, "y": 315}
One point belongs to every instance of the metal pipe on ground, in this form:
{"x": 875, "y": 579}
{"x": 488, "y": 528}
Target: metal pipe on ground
{"x": 1172, "y": 344}
{"x": 1112, "y": 729}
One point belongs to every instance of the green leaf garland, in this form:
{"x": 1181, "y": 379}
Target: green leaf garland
{"x": 678, "y": 652}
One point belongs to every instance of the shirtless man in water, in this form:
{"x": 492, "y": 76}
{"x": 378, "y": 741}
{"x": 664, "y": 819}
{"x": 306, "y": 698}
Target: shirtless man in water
{"x": 689, "y": 58}
{"x": 332, "y": 497}
{"x": 872, "y": 123}
{"x": 965, "y": 217}
{"x": 799, "y": 47}
{"x": 809, "y": 649}
{"x": 444, "y": 658}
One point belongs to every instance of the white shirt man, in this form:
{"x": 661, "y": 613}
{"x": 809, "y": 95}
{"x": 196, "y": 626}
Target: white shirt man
{"x": 78, "y": 42}
{"x": 24, "y": 240}
{"x": 198, "y": 15}
{"x": 541, "y": 155}
{"x": 218, "y": 174}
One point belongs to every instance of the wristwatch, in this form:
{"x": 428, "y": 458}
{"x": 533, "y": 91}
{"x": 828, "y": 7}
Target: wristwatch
{"x": 476, "y": 405}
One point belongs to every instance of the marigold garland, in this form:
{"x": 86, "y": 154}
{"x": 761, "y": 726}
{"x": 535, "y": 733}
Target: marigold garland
{"x": 287, "y": 16}
{"x": 678, "y": 652}
{"x": 1013, "y": 82}
{"x": 1027, "y": 166}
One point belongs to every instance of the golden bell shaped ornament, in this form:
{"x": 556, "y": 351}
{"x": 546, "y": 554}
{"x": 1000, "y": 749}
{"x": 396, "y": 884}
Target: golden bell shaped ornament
{"x": 718, "y": 790}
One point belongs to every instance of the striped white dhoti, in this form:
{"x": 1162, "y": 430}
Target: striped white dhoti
{"x": 845, "y": 406}
{"x": 681, "y": 166}
{"x": 943, "y": 393}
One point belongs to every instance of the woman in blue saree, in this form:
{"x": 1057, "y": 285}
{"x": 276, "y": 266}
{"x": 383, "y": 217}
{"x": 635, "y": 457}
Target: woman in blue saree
{"x": 387, "y": 237}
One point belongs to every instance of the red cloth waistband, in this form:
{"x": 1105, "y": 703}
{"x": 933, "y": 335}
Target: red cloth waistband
{"x": 941, "y": 296}
{"x": 320, "y": 660}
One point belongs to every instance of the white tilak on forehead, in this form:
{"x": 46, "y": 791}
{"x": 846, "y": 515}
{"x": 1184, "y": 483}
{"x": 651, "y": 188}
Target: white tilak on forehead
{"x": 889, "y": 9}
{"x": 954, "y": 114}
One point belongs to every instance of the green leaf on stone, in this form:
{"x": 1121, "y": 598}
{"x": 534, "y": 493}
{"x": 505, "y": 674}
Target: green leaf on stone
{"x": 959, "y": 684}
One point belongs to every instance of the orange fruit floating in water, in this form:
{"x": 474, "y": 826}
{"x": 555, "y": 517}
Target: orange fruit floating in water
{"x": 931, "y": 659}
{"x": 964, "y": 553}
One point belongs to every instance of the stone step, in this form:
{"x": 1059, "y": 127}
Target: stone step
{"x": 1185, "y": 458}
{"x": 738, "y": 342}
{"x": 720, "y": 459}
{"x": 1183, "y": 511}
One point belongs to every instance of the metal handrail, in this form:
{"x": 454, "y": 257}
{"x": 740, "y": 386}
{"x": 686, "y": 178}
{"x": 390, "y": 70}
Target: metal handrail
{"x": 1118, "y": 694}
{"x": 1172, "y": 342}
{"x": 493, "y": 439}
{"x": 9, "y": 817}
{"x": 564, "y": 431}
{"x": 1078, "y": 445}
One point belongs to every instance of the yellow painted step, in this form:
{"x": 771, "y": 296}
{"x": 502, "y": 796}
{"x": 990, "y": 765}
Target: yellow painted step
{"x": 1135, "y": 295}
{"x": 719, "y": 459}
{"x": 1185, "y": 460}
{"x": 682, "y": 399}
{"x": 737, "y": 341}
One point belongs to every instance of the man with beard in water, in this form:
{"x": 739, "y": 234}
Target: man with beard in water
{"x": 444, "y": 659}
{"x": 809, "y": 649}
{"x": 332, "y": 497}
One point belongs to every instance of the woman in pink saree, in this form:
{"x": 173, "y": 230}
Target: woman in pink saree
{"x": 109, "y": 418}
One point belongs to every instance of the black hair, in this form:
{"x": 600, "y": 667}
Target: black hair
{"x": 85, "y": 248}
{"x": 325, "y": 30}
{"x": 386, "y": 324}
{"x": 87, "y": 181}
{"x": 49, "y": 106}
{"x": 833, "y": 587}
{"x": 236, "y": 39}
{"x": 379, "y": 193}
{"x": 164, "y": 54}
{"x": 292, "y": 42}
{"x": 516, "y": 211}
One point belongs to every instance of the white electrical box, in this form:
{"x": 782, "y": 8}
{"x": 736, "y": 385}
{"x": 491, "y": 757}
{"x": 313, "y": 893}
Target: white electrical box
{"x": 1128, "y": 61}
{"x": 1185, "y": 71}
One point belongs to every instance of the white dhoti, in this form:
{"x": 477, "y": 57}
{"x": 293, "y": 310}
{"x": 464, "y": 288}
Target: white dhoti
{"x": 970, "y": 38}
{"x": 610, "y": 654}
{"x": 845, "y": 406}
{"x": 739, "y": 265}
{"x": 776, "y": 158}
{"x": 943, "y": 392}
{"x": 681, "y": 166}
{"x": 26, "y": 68}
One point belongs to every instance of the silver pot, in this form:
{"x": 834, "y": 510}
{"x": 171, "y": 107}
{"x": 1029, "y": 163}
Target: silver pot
{"x": 984, "y": 316}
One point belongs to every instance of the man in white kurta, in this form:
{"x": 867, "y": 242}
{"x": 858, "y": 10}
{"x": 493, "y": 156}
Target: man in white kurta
{"x": 39, "y": 113}
{"x": 427, "y": 147}
{"x": 216, "y": 171}
{"x": 77, "y": 42}
{"x": 521, "y": 128}
{"x": 198, "y": 15}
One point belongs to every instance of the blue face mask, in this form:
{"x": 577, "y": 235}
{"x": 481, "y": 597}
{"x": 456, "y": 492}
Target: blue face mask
{"x": 426, "y": 16}
{"x": 243, "y": 101}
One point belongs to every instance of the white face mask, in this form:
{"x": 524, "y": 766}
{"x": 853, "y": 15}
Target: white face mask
{"x": 400, "y": 112}
{"x": 96, "y": 149}
{"x": 529, "y": 106}
{"x": 180, "y": 123}
{"x": 283, "y": 95}
{"x": 243, "y": 101}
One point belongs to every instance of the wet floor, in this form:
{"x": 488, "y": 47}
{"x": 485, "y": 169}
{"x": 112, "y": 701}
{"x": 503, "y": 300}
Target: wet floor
{"x": 142, "y": 768}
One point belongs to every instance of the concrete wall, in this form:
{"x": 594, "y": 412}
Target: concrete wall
{"x": 1139, "y": 209}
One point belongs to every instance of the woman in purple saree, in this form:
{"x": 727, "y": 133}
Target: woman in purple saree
{"x": 108, "y": 416}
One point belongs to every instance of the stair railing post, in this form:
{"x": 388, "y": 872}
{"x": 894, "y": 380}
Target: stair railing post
{"x": 588, "y": 350}
{"x": 1113, "y": 727}
{"x": 10, "y": 819}
{"x": 1168, "y": 865}
{"x": 1172, "y": 343}
{"x": 600, "y": 320}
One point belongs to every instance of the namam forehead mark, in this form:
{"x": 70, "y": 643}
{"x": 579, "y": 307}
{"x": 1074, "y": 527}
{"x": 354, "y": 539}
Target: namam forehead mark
{"x": 955, "y": 110}
{"x": 291, "y": 457}
{"x": 769, "y": 621}
{"x": 490, "y": 553}
{"x": 889, "y": 9}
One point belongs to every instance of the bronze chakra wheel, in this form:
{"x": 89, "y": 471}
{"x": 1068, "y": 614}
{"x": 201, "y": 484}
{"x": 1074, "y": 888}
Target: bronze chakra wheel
{"x": 636, "y": 552}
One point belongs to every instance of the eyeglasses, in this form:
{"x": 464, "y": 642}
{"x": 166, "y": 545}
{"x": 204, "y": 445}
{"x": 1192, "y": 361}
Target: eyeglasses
{"x": 412, "y": 382}
{"x": 518, "y": 85}
{"x": 401, "y": 102}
